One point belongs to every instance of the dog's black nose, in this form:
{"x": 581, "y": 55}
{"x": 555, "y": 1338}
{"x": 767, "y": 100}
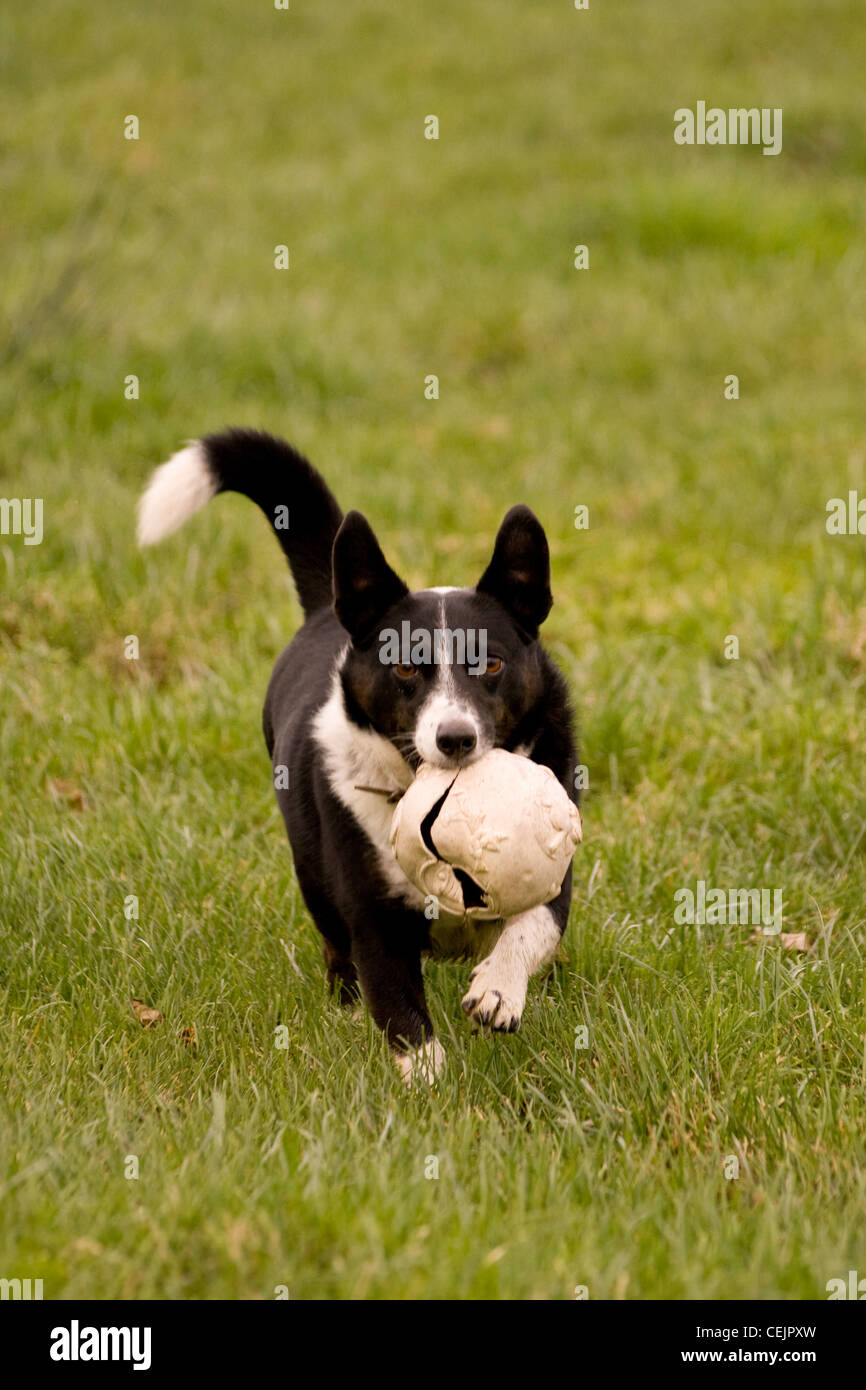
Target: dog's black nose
{"x": 455, "y": 738}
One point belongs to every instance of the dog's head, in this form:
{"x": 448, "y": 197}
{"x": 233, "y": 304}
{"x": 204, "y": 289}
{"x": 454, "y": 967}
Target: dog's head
{"x": 445, "y": 674}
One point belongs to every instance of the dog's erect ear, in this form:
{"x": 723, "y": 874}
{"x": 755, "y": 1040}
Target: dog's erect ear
{"x": 365, "y": 586}
{"x": 518, "y": 575}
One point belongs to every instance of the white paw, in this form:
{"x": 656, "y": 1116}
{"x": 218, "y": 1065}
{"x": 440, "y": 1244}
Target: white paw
{"x": 422, "y": 1063}
{"x": 494, "y": 1000}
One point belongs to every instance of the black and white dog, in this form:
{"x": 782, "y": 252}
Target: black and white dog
{"x": 346, "y": 730}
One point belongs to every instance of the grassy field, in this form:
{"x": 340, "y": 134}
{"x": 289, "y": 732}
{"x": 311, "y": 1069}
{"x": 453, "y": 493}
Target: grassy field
{"x": 558, "y": 1166}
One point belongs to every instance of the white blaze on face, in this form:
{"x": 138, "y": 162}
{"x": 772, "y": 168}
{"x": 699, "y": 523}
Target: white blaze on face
{"x": 445, "y": 705}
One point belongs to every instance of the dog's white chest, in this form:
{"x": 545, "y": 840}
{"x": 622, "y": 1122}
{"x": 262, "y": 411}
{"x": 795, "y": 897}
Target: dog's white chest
{"x": 361, "y": 767}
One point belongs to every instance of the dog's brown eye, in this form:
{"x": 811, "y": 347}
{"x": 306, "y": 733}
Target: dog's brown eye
{"x": 494, "y": 666}
{"x": 405, "y": 672}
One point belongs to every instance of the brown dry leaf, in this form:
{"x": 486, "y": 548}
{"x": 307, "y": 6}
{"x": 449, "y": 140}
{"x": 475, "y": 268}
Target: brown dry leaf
{"x": 789, "y": 940}
{"x": 188, "y": 1036}
{"x": 65, "y": 791}
{"x": 146, "y": 1016}
{"x": 795, "y": 941}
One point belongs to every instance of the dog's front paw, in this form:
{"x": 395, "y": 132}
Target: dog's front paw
{"x": 421, "y": 1064}
{"x": 493, "y": 1001}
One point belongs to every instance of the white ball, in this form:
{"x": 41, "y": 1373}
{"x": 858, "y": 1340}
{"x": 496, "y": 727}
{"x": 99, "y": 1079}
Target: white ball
{"x": 488, "y": 841}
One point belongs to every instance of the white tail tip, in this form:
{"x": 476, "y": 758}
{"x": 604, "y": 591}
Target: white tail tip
{"x": 177, "y": 490}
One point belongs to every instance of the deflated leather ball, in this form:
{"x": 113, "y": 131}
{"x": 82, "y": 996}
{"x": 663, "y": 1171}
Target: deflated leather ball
{"x": 490, "y": 840}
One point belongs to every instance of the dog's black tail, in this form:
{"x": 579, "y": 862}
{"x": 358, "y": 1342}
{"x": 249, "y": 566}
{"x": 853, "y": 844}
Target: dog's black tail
{"x": 303, "y": 513}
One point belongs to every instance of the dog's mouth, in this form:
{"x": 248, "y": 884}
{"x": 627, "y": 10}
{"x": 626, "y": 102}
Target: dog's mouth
{"x": 453, "y": 762}
{"x": 408, "y": 752}
{"x": 447, "y": 762}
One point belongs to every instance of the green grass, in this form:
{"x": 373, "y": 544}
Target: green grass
{"x": 558, "y": 1166}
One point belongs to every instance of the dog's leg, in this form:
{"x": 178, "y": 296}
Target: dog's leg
{"x": 497, "y": 986}
{"x": 341, "y": 975}
{"x": 389, "y": 968}
{"x": 340, "y": 969}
